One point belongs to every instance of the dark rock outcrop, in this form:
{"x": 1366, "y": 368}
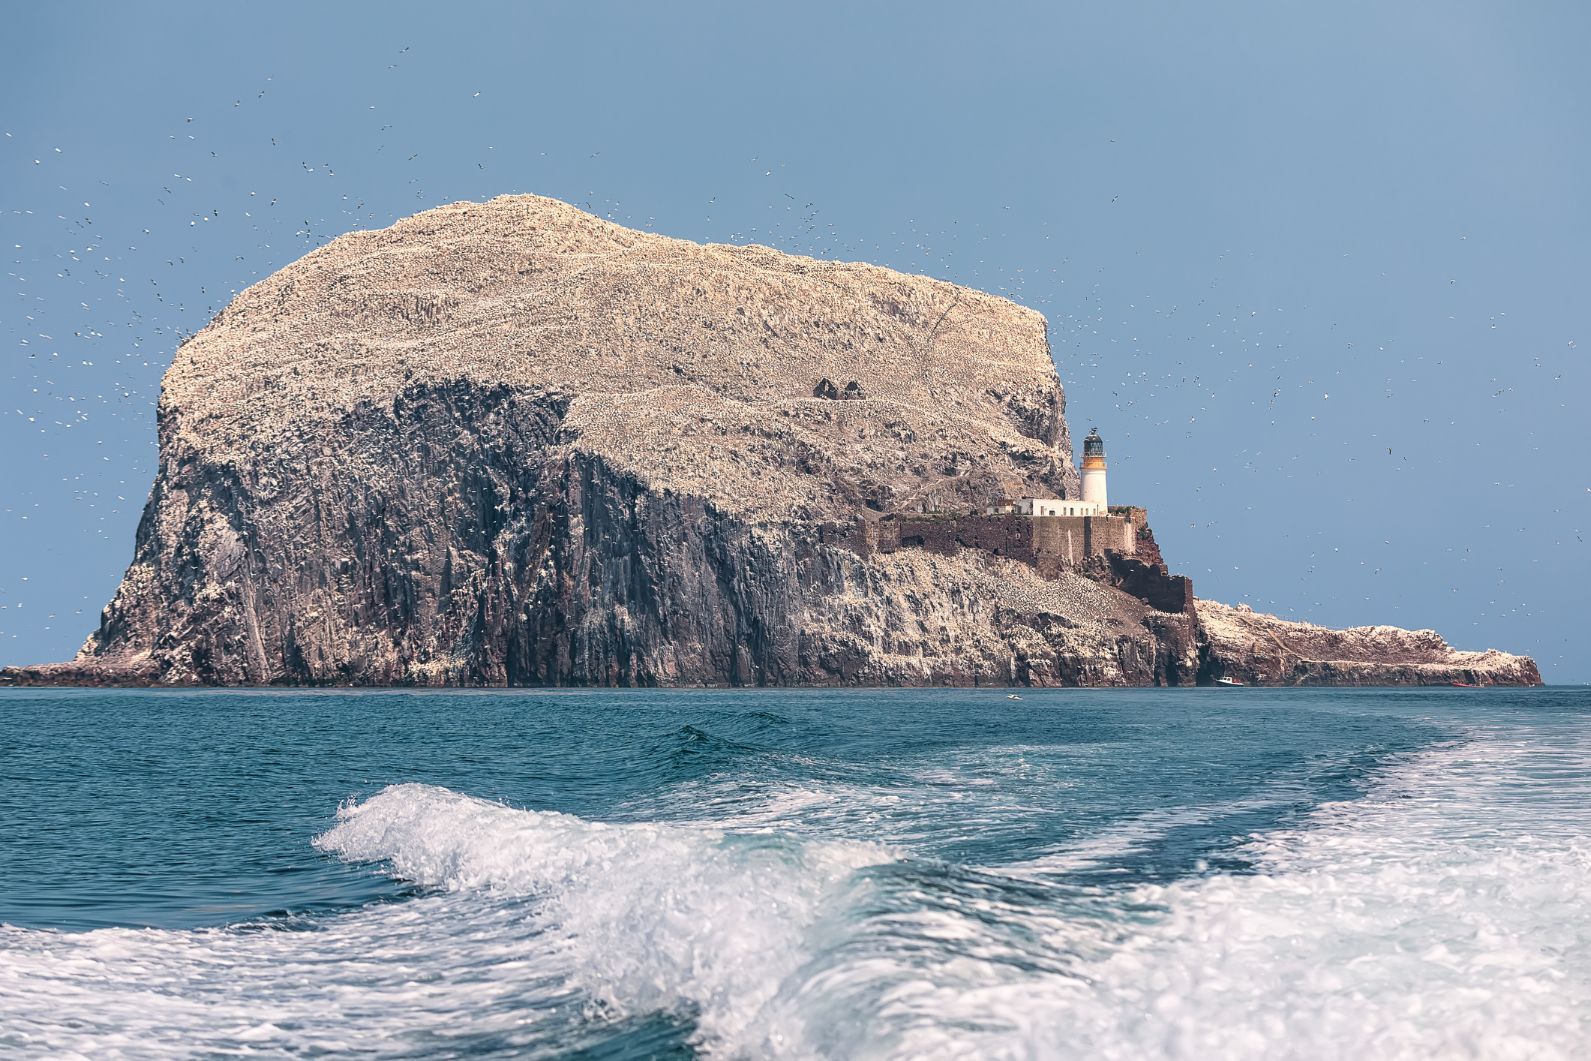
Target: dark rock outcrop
{"x": 1261, "y": 649}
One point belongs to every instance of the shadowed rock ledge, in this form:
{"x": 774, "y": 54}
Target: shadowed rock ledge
{"x": 512, "y": 444}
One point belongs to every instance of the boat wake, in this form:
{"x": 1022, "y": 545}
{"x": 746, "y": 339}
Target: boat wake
{"x": 1446, "y": 913}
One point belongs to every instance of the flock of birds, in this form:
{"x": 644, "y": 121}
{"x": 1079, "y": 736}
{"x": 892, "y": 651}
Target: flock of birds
{"x": 98, "y": 297}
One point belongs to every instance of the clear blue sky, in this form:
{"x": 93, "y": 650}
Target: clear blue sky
{"x": 1319, "y": 272}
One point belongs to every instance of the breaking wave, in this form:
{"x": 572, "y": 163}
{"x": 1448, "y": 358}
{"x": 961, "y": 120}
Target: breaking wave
{"x": 646, "y": 916}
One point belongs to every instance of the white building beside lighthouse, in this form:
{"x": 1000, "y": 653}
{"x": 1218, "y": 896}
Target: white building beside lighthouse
{"x": 1093, "y": 502}
{"x": 1071, "y": 532}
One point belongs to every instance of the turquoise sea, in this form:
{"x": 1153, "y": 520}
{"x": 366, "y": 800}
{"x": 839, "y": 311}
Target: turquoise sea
{"x": 1203, "y": 873}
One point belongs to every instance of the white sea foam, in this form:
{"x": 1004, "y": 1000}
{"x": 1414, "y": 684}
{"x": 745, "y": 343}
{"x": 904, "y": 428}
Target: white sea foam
{"x": 961, "y": 793}
{"x": 395, "y": 974}
{"x": 536, "y": 909}
{"x": 1445, "y": 914}
{"x": 649, "y": 917}
{"x": 1135, "y": 833}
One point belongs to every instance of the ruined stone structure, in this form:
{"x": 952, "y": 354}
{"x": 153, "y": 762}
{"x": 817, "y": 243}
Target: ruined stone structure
{"x": 1046, "y": 542}
{"x": 852, "y": 392}
{"x": 1142, "y": 573}
{"x": 1105, "y": 548}
{"x": 1112, "y": 545}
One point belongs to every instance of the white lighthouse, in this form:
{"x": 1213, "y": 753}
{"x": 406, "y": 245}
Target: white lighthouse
{"x": 1094, "y": 470}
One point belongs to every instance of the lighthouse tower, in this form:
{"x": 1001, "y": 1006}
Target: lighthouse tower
{"x": 1094, "y": 470}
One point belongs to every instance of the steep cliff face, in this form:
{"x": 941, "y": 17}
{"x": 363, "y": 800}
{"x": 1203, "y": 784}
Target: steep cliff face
{"x": 463, "y": 536}
{"x": 509, "y": 443}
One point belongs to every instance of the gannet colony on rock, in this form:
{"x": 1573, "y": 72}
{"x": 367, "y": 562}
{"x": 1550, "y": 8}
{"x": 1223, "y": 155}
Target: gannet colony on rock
{"x": 513, "y": 444}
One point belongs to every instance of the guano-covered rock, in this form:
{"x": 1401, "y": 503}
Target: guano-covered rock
{"x": 511, "y": 443}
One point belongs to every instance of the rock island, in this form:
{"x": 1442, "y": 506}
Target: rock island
{"x": 513, "y": 444}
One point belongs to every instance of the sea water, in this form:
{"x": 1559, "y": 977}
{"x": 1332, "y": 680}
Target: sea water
{"x": 1220, "y": 873}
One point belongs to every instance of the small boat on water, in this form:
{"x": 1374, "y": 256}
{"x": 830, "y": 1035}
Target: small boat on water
{"x": 1012, "y": 696}
{"x": 1227, "y": 681}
